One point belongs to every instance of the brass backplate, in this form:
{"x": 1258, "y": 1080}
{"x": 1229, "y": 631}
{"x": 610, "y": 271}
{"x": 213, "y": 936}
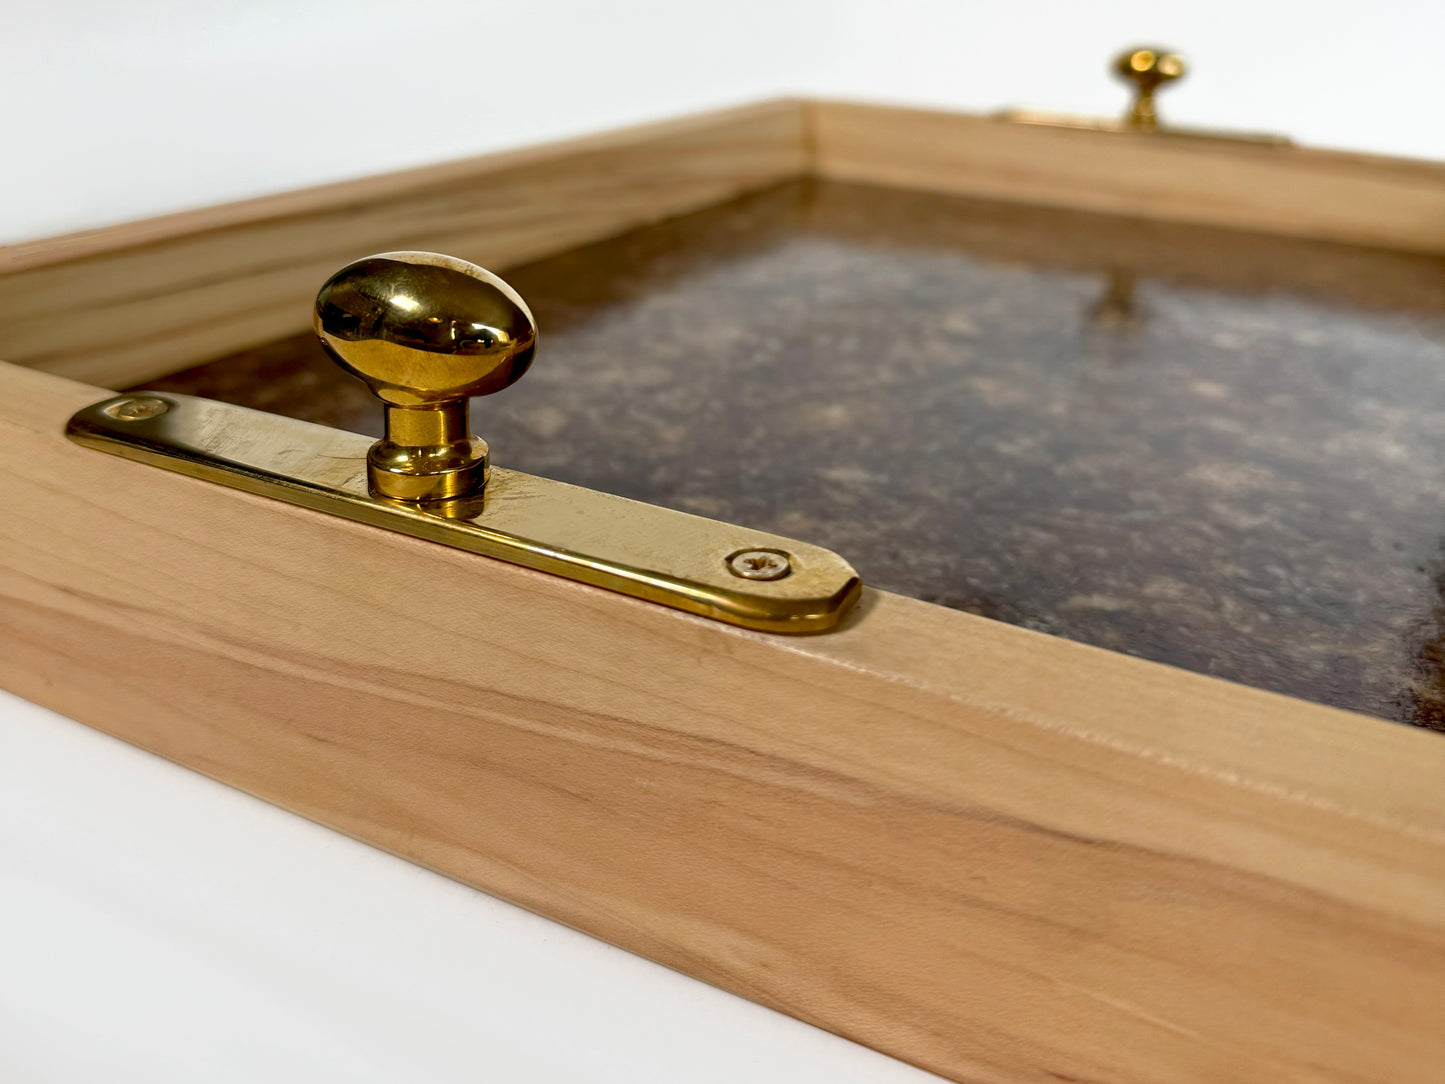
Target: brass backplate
{"x": 1044, "y": 119}
{"x": 673, "y": 558}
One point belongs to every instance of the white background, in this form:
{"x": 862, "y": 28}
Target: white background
{"x": 156, "y": 926}
{"x": 117, "y": 110}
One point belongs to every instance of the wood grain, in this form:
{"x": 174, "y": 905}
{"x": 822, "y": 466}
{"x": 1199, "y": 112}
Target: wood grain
{"x": 122, "y": 305}
{"x": 998, "y": 855}
{"x": 1323, "y": 195}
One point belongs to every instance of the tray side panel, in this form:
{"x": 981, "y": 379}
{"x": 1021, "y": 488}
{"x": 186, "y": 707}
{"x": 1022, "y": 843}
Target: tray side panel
{"x": 1321, "y": 195}
{"x": 125, "y": 305}
{"x": 999, "y": 855}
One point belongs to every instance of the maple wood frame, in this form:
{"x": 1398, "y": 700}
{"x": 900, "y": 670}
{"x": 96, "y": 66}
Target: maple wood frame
{"x": 999, "y": 855}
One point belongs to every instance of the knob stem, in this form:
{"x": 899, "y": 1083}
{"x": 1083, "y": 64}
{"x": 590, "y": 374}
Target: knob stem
{"x": 1143, "y": 114}
{"x": 428, "y": 454}
{"x": 442, "y": 423}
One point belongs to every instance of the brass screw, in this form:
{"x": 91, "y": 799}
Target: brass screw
{"x": 136, "y": 410}
{"x": 760, "y": 564}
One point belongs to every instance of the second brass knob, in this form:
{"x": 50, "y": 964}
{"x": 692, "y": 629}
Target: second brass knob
{"x": 1147, "y": 69}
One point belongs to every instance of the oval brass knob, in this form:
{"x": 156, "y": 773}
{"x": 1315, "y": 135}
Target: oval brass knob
{"x": 1147, "y": 69}
{"x": 426, "y": 332}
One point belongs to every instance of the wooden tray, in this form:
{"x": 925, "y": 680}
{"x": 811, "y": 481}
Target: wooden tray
{"x": 999, "y": 854}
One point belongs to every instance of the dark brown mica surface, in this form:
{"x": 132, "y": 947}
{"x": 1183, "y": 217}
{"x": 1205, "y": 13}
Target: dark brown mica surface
{"x": 1212, "y": 449}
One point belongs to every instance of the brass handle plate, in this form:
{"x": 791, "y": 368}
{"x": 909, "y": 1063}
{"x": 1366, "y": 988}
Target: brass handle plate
{"x": 717, "y": 570}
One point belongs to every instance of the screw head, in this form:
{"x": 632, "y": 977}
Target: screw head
{"x": 137, "y": 409}
{"x": 760, "y": 564}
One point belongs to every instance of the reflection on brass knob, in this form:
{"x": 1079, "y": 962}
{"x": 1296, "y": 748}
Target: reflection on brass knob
{"x": 1147, "y": 69}
{"x": 426, "y": 332}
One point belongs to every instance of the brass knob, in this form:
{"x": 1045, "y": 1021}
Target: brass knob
{"x": 1147, "y": 69}
{"x": 426, "y": 332}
